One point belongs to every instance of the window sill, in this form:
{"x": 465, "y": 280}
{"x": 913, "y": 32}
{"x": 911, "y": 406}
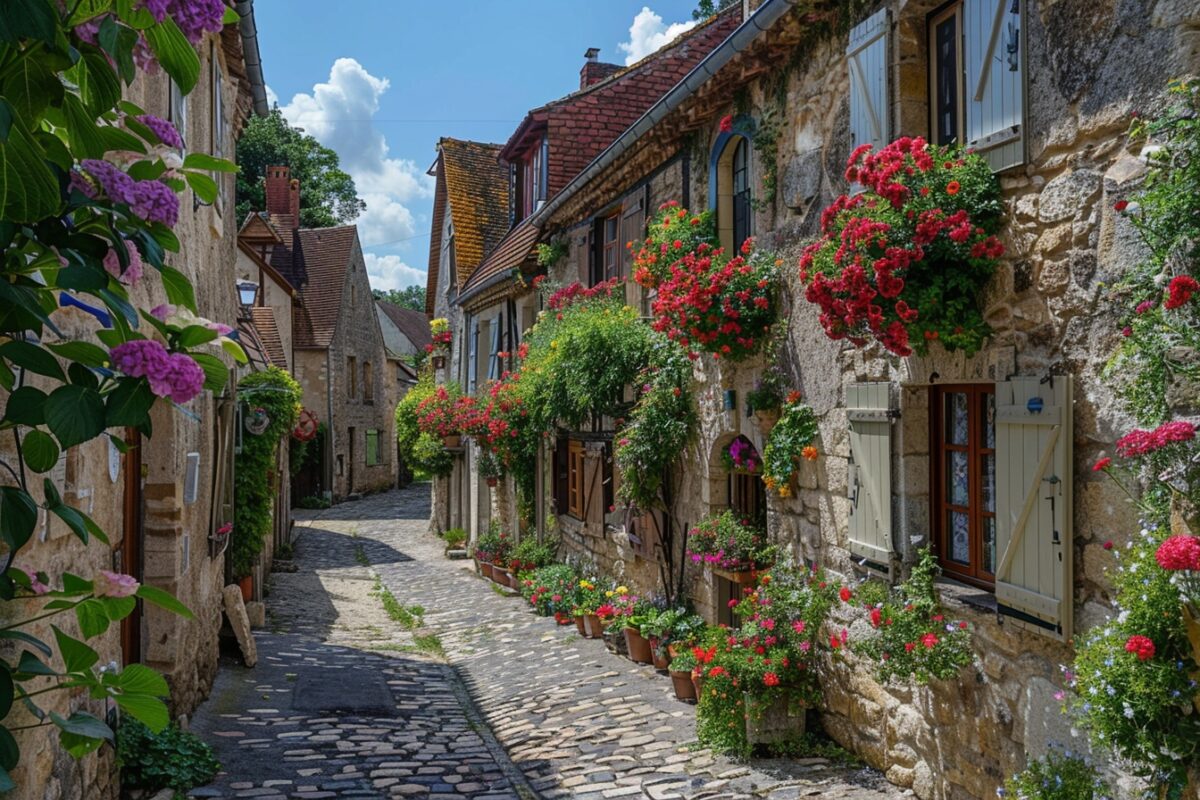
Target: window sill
{"x": 960, "y": 594}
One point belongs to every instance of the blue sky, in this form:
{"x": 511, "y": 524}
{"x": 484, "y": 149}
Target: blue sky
{"x": 380, "y": 80}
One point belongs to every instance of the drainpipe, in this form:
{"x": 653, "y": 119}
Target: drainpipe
{"x": 249, "y": 31}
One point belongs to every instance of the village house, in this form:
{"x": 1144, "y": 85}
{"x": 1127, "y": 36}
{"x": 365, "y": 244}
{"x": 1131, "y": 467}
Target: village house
{"x": 550, "y": 146}
{"x": 1019, "y": 522}
{"x": 162, "y": 502}
{"x": 406, "y": 337}
{"x": 338, "y": 352}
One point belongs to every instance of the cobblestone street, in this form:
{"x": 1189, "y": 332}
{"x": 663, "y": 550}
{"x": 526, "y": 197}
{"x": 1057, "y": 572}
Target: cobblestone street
{"x": 482, "y": 699}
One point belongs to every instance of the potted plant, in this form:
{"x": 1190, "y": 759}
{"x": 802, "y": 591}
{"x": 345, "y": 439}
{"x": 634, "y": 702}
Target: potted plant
{"x": 440, "y": 330}
{"x": 730, "y": 547}
{"x": 681, "y": 676}
{"x": 741, "y": 456}
{"x": 454, "y": 539}
{"x": 764, "y": 400}
{"x": 790, "y": 441}
{"x": 636, "y": 645}
{"x": 655, "y": 626}
{"x": 490, "y": 468}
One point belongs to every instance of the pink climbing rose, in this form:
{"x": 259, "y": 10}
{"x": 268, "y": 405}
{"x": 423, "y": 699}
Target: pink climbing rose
{"x": 112, "y": 584}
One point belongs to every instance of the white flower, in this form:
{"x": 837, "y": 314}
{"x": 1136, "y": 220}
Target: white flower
{"x": 1150, "y": 152}
{"x": 1128, "y": 711}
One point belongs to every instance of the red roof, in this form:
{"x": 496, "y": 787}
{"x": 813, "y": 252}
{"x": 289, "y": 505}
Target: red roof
{"x": 314, "y": 260}
{"x": 511, "y": 253}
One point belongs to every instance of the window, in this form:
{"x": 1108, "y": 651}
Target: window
{"x": 178, "y": 111}
{"x": 867, "y": 59}
{"x": 218, "y": 124}
{"x": 372, "y": 454}
{"x": 352, "y": 374}
{"x": 976, "y": 79}
{"x": 611, "y": 243}
{"x": 964, "y": 468}
{"x": 368, "y": 383}
{"x": 741, "y": 193}
{"x": 575, "y": 470}
{"x": 731, "y": 192}
{"x": 747, "y": 498}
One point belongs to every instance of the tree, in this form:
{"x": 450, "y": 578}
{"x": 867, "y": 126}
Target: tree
{"x": 707, "y": 8}
{"x": 409, "y": 297}
{"x": 327, "y": 194}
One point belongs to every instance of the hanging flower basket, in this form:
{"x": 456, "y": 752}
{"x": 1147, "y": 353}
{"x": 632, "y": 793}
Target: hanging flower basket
{"x": 306, "y": 426}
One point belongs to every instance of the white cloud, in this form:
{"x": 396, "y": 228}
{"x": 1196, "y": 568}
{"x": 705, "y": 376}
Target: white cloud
{"x": 272, "y": 98}
{"x": 648, "y": 33}
{"x": 339, "y": 114}
{"x": 389, "y": 272}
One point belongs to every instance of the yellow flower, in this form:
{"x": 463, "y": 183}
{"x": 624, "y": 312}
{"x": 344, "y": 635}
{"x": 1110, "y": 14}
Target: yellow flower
{"x": 553, "y": 344}
{"x": 785, "y": 491}
{"x": 608, "y": 593}
{"x": 622, "y": 590}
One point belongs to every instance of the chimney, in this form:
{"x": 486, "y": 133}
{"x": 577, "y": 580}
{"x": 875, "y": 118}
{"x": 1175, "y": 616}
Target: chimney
{"x": 594, "y": 70}
{"x": 283, "y": 194}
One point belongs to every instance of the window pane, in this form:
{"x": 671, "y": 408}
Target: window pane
{"x": 989, "y": 544}
{"x": 610, "y": 229}
{"x": 960, "y": 537}
{"x": 989, "y": 483}
{"x": 957, "y": 418}
{"x": 945, "y": 36}
{"x": 989, "y": 420}
{"x": 958, "y": 486}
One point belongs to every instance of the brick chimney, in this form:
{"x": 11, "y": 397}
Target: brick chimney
{"x": 283, "y": 194}
{"x": 594, "y": 70}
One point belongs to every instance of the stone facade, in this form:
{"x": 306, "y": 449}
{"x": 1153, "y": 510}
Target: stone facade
{"x": 167, "y": 533}
{"x": 1046, "y": 306}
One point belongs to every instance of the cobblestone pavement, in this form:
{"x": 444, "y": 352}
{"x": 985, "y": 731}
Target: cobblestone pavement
{"x": 574, "y": 720}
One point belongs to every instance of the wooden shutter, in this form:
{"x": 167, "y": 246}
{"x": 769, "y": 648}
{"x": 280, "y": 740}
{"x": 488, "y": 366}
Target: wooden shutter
{"x": 494, "y": 353}
{"x": 561, "y": 470}
{"x": 472, "y": 352}
{"x": 633, "y": 229}
{"x": 993, "y": 66}
{"x": 1033, "y": 502}
{"x": 870, "y": 474}
{"x": 867, "y": 58}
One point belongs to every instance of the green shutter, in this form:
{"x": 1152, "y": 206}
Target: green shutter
{"x": 869, "y": 476}
{"x": 1033, "y": 503}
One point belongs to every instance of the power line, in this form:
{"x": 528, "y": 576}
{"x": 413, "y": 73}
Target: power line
{"x": 397, "y": 241}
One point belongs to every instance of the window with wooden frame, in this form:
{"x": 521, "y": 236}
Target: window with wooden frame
{"x": 735, "y": 205}
{"x": 611, "y": 246}
{"x": 352, "y": 377}
{"x": 177, "y": 111}
{"x": 945, "y": 75}
{"x": 575, "y": 475}
{"x": 747, "y": 499}
{"x": 963, "y": 422}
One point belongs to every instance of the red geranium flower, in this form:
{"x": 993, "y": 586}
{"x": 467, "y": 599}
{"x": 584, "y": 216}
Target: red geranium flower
{"x": 771, "y": 679}
{"x": 1120, "y": 205}
{"x": 726, "y": 124}
{"x": 930, "y": 640}
{"x": 845, "y": 594}
{"x": 1141, "y": 647}
{"x": 1179, "y": 552}
{"x": 1180, "y": 290}
{"x": 1102, "y": 464}
{"x": 952, "y": 187}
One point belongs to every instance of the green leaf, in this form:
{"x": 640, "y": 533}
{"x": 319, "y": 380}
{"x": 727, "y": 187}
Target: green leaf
{"x": 88, "y": 9}
{"x": 28, "y": 639}
{"x": 119, "y": 306}
{"x": 86, "y": 139}
{"x": 129, "y": 404}
{"x": 6, "y": 783}
{"x": 26, "y": 406}
{"x": 120, "y": 139}
{"x": 206, "y": 162}
{"x": 205, "y": 187}
{"x": 231, "y": 17}
{"x": 149, "y": 711}
{"x": 28, "y": 19}
{"x": 76, "y": 655}
{"x": 80, "y": 523}
{"x": 195, "y": 335}
{"x": 235, "y": 350}
{"x": 33, "y": 358}
{"x": 40, "y": 452}
{"x": 28, "y": 189}
{"x": 6, "y": 691}
{"x": 118, "y": 42}
{"x": 18, "y": 516}
{"x": 75, "y": 585}
{"x": 83, "y": 724}
{"x": 175, "y": 54}
{"x": 85, "y": 353}
{"x": 10, "y": 754}
{"x": 140, "y": 679}
{"x": 179, "y": 289}
{"x": 31, "y": 86}
{"x": 216, "y": 374}
{"x": 78, "y": 746}
{"x": 29, "y": 664}
{"x": 75, "y": 414}
{"x": 98, "y": 84}
{"x": 82, "y": 376}
{"x": 164, "y": 600}
{"x": 118, "y": 608}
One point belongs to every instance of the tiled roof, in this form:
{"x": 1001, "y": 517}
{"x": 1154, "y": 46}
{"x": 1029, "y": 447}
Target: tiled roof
{"x": 477, "y": 191}
{"x": 435, "y": 241}
{"x": 268, "y": 335}
{"x": 314, "y": 260}
{"x": 511, "y": 253}
{"x": 413, "y": 324}
{"x": 580, "y": 125}
{"x": 251, "y": 346}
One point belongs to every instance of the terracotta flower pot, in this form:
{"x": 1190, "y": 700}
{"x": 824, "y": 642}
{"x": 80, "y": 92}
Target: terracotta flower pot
{"x": 513, "y": 580}
{"x": 501, "y": 575}
{"x": 639, "y": 648}
{"x": 580, "y": 625}
{"x": 660, "y": 659}
{"x": 684, "y": 688}
{"x": 246, "y": 584}
{"x": 485, "y": 569}
{"x": 595, "y": 628}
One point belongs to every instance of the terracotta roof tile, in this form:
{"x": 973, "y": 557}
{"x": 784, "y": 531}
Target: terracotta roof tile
{"x": 413, "y": 324}
{"x": 509, "y": 254}
{"x": 268, "y": 335}
{"x": 314, "y": 260}
{"x": 477, "y": 192}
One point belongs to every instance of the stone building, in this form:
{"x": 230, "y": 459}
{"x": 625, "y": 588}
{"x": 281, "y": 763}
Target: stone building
{"x": 162, "y": 500}
{"x": 337, "y": 345}
{"x": 1036, "y": 89}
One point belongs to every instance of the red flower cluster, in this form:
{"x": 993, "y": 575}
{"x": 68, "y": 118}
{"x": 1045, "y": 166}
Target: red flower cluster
{"x": 875, "y": 244}
{"x": 1139, "y": 443}
{"x": 440, "y": 413}
{"x": 1141, "y": 647}
{"x": 1180, "y": 290}
{"x": 576, "y": 292}
{"x": 1179, "y": 552}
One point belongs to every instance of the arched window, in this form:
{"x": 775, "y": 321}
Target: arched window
{"x": 730, "y": 191}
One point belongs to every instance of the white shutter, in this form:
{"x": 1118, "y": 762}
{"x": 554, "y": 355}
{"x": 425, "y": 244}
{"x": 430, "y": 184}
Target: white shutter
{"x": 866, "y": 56}
{"x": 1033, "y": 502}
{"x": 870, "y": 474}
{"x": 993, "y": 62}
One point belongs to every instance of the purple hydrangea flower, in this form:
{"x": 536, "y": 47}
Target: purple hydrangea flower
{"x": 173, "y": 375}
{"x": 161, "y": 312}
{"x": 163, "y": 129}
{"x": 112, "y": 263}
{"x": 157, "y": 8}
{"x": 183, "y": 380}
{"x": 82, "y": 184}
{"x": 116, "y": 184}
{"x": 140, "y": 358}
{"x": 154, "y": 201}
{"x": 195, "y": 17}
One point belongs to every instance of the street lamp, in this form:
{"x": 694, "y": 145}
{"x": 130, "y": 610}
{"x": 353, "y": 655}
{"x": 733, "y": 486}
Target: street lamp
{"x": 247, "y": 292}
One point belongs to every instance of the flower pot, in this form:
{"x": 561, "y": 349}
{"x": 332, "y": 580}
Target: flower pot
{"x": 501, "y": 575}
{"x": 766, "y": 420}
{"x": 246, "y": 584}
{"x": 771, "y": 719}
{"x": 580, "y": 625}
{"x": 513, "y": 580}
{"x": 595, "y": 627}
{"x": 660, "y": 659}
{"x": 684, "y": 688}
{"x": 451, "y": 442}
{"x": 485, "y": 569}
{"x": 639, "y": 648}
{"x": 741, "y": 576}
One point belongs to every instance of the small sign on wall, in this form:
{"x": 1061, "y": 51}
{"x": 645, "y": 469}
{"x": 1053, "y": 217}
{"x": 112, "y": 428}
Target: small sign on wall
{"x": 191, "y": 480}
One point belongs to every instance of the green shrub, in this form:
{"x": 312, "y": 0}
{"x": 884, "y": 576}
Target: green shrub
{"x": 1057, "y": 776}
{"x": 454, "y": 537}
{"x": 314, "y": 502}
{"x": 422, "y": 452}
{"x": 173, "y": 759}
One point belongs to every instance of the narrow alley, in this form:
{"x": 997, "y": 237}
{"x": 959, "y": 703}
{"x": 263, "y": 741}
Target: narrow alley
{"x": 460, "y": 692}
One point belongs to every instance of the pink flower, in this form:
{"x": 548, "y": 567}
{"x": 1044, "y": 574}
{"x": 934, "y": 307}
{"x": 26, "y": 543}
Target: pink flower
{"x": 1179, "y": 552}
{"x": 35, "y": 585}
{"x": 112, "y": 584}
{"x": 133, "y": 273}
{"x": 173, "y": 375}
{"x": 1102, "y": 464}
{"x": 161, "y": 312}
{"x": 1144, "y": 306}
{"x": 1108, "y": 545}
{"x": 798, "y": 626}
{"x": 1139, "y": 443}
{"x": 220, "y": 327}
{"x": 930, "y": 640}
{"x": 726, "y": 124}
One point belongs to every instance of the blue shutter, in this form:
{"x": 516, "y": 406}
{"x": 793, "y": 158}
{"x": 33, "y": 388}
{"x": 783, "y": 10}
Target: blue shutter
{"x": 472, "y": 351}
{"x": 867, "y": 59}
{"x": 494, "y": 354}
{"x": 993, "y": 66}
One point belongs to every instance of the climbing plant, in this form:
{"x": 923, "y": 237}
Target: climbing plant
{"x": 89, "y": 194}
{"x": 420, "y": 451}
{"x": 272, "y": 397}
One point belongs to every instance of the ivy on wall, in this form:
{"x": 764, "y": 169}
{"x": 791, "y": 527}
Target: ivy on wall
{"x": 275, "y": 395}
